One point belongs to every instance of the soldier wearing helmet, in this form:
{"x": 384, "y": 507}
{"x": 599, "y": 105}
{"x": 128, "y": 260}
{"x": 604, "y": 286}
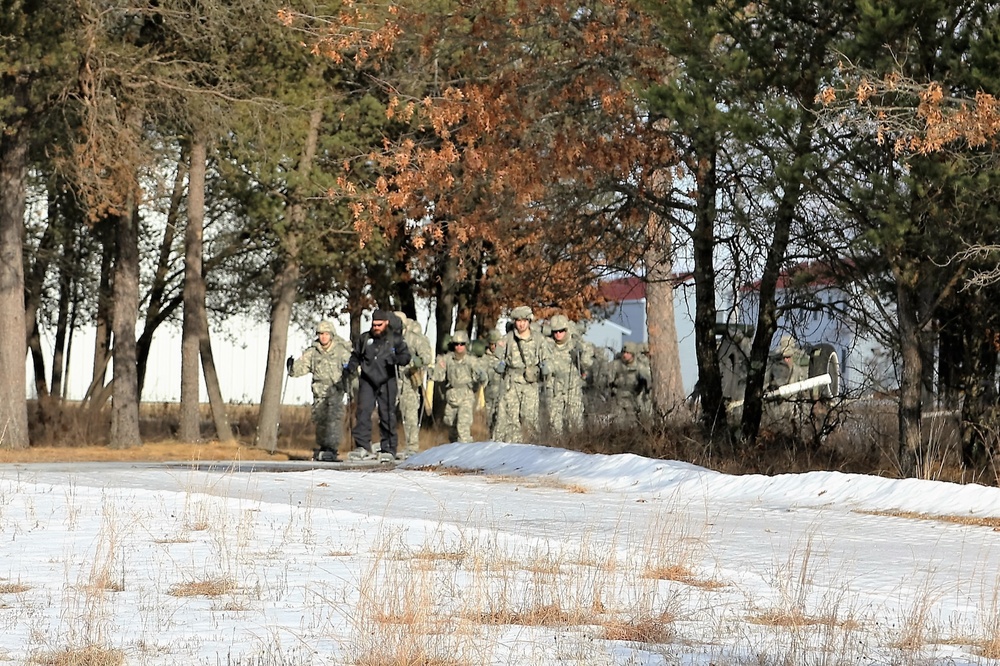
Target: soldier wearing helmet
{"x": 460, "y": 375}
{"x": 411, "y": 384}
{"x": 325, "y": 360}
{"x": 493, "y": 389}
{"x": 524, "y": 357}
{"x": 570, "y": 361}
{"x": 629, "y": 382}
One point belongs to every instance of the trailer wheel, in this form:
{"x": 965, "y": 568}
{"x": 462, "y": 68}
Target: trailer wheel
{"x": 823, "y": 360}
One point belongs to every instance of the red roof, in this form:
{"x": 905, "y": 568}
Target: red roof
{"x": 624, "y": 289}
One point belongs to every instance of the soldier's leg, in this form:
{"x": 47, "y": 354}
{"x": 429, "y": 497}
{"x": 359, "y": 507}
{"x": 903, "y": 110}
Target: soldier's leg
{"x": 334, "y": 420}
{"x": 450, "y": 419}
{"x": 463, "y": 423}
{"x": 574, "y": 410}
{"x": 319, "y": 421}
{"x": 507, "y": 417}
{"x": 529, "y": 410}
{"x": 387, "y": 417}
{"x": 557, "y": 410}
{"x": 362, "y": 432}
{"x": 409, "y": 408}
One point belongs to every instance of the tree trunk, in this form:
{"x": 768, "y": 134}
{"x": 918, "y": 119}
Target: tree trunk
{"x": 910, "y": 382}
{"x": 283, "y": 294}
{"x": 194, "y": 288}
{"x": 767, "y": 313}
{"x": 34, "y": 284}
{"x": 62, "y": 320}
{"x": 125, "y": 312}
{"x": 102, "y": 332}
{"x": 13, "y": 349}
{"x": 155, "y": 311}
{"x": 194, "y": 297}
{"x": 713, "y": 413}
{"x": 664, "y": 352}
{"x": 223, "y": 430}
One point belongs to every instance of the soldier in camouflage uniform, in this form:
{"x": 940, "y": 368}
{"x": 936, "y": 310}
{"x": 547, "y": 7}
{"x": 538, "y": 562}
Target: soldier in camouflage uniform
{"x": 524, "y": 356}
{"x": 570, "y": 361}
{"x": 325, "y": 359}
{"x": 411, "y": 384}
{"x": 493, "y": 389}
{"x": 629, "y": 380}
{"x": 461, "y": 374}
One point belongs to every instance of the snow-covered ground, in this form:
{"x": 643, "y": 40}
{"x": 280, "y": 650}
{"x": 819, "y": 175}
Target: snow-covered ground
{"x": 543, "y": 556}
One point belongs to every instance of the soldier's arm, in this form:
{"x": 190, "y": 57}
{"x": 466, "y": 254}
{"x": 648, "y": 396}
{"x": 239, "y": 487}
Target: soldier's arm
{"x": 303, "y": 364}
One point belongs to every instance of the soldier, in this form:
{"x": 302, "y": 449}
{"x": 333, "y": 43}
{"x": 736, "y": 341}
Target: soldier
{"x": 411, "y": 383}
{"x": 460, "y": 375}
{"x": 325, "y": 359}
{"x": 788, "y": 364}
{"x": 629, "y": 380}
{"x": 524, "y": 356}
{"x": 571, "y": 359}
{"x": 493, "y": 389}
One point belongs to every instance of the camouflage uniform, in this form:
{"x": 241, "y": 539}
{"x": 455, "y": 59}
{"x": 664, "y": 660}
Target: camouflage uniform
{"x": 493, "y": 389}
{"x": 629, "y": 380}
{"x": 570, "y": 360}
{"x": 326, "y": 363}
{"x": 524, "y": 363}
{"x": 411, "y": 384}
{"x": 460, "y": 374}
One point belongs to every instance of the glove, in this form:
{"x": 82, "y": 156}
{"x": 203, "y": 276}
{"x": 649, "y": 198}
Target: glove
{"x": 482, "y": 377}
{"x": 289, "y": 363}
{"x": 416, "y": 362}
{"x": 641, "y": 385}
{"x": 501, "y": 367}
{"x": 347, "y": 371}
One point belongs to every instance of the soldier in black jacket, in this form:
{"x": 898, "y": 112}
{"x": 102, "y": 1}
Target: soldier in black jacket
{"x": 377, "y": 353}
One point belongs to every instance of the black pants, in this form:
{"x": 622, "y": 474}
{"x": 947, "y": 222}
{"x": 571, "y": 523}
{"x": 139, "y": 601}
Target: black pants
{"x": 384, "y": 398}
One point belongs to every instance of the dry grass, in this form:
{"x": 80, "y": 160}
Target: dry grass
{"x": 543, "y": 615}
{"x": 211, "y": 587}
{"x": 13, "y": 588}
{"x": 91, "y": 655}
{"x": 680, "y": 573}
{"x": 413, "y": 657}
{"x": 776, "y": 618}
{"x": 643, "y": 630}
{"x": 977, "y": 521}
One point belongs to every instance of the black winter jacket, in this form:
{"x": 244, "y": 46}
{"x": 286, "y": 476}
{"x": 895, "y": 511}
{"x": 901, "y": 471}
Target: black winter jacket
{"x": 377, "y": 356}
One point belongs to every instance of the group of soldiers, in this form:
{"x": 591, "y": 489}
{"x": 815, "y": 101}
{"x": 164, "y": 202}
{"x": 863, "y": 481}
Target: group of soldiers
{"x": 537, "y": 377}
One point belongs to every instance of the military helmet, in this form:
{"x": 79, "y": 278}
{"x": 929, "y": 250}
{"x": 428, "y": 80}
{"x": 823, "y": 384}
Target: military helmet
{"x": 324, "y": 327}
{"x": 559, "y": 323}
{"x": 494, "y": 336}
{"x": 631, "y": 348}
{"x": 786, "y": 346}
{"x": 522, "y": 312}
{"x": 460, "y": 336}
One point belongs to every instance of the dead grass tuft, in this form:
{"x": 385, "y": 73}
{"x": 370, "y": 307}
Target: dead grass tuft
{"x": 646, "y": 630}
{"x": 13, "y": 588}
{"x": 91, "y": 655}
{"x": 545, "y": 615}
{"x": 213, "y": 587}
{"x": 410, "y": 656}
{"x": 777, "y": 618}
{"x": 682, "y": 574}
{"x": 978, "y": 521}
